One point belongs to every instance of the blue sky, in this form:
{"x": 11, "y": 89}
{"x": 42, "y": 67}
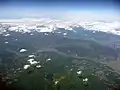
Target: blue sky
{"x": 60, "y": 9}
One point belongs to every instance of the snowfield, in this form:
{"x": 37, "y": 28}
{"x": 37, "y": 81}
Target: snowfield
{"x": 48, "y": 25}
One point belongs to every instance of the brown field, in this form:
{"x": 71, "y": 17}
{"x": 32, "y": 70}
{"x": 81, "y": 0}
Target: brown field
{"x": 115, "y": 65}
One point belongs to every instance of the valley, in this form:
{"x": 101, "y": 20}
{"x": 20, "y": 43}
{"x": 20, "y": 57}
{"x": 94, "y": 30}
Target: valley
{"x": 59, "y": 61}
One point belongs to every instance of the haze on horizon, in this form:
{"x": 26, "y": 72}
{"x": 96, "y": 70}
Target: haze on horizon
{"x": 60, "y": 9}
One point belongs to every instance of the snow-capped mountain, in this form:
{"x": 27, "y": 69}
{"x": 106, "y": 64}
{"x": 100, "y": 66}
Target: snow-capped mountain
{"x": 47, "y": 25}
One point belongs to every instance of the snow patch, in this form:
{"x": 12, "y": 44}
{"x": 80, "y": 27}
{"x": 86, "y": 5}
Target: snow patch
{"x": 64, "y": 34}
{"x": 79, "y": 72}
{"x": 31, "y": 34}
{"x": 26, "y": 66}
{"x": 6, "y": 42}
{"x": 85, "y": 80}
{"x": 38, "y": 66}
{"x": 6, "y": 35}
{"x": 23, "y": 50}
{"x": 56, "y": 82}
{"x": 48, "y": 59}
{"x": 32, "y": 61}
{"x": 31, "y": 56}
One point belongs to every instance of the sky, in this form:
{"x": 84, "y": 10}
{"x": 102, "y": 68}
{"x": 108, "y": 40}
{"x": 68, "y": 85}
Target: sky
{"x": 60, "y": 9}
